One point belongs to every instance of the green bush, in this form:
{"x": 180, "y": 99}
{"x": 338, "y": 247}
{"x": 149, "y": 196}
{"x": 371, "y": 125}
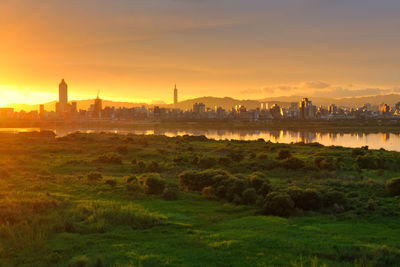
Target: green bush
{"x": 279, "y": 204}
{"x": 332, "y": 197}
{"x": 283, "y": 154}
{"x": 94, "y": 176}
{"x": 208, "y": 192}
{"x": 324, "y": 163}
{"x": 197, "y": 180}
{"x": 207, "y": 162}
{"x": 308, "y": 199}
{"x": 256, "y": 180}
{"x": 79, "y": 261}
{"x": 292, "y": 163}
{"x": 265, "y": 188}
{"x": 111, "y": 182}
{"x": 370, "y": 162}
{"x": 393, "y": 186}
{"x": 249, "y": 196}
{"x": 152, "y": 183}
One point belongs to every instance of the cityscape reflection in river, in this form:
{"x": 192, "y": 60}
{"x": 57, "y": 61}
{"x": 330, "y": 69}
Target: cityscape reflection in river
{"x": 386, "y": 140}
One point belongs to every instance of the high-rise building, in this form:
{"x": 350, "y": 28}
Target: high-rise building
{"x": 63, "y": 96}
{"x": 175, "y": 97}
{"x": 98, "y": 106}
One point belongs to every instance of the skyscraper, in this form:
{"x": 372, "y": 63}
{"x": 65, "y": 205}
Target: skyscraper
{"x": 63, "y": 96}
{"x": 175, "y": 97}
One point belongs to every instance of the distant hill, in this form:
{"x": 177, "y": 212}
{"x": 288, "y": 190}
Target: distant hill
{"x": 227, "y": 102}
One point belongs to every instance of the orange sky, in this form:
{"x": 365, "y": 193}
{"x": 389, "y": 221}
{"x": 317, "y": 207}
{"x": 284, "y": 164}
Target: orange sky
{"x": 137, "y": 50}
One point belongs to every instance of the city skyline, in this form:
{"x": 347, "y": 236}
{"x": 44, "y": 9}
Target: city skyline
{"x": 133, "y": 51}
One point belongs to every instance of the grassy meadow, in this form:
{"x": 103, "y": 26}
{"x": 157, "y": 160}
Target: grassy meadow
{"x": 132, "y": 200}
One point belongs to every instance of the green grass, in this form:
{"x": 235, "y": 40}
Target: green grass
{"x": 51, "y": 214}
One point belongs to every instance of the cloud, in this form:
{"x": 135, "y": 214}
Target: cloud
{"x": 315, "y": 85}
{"x": 320, "y": 89}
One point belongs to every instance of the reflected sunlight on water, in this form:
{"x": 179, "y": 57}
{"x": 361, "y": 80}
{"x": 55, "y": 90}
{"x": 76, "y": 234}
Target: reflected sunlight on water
{"x": 389, "y": 141}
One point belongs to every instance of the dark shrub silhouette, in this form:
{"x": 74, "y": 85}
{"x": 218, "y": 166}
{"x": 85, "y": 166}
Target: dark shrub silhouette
{"x": 94, "y": 176}
{"x": 249, "y": 196}
{"x": 256, "y": 180}
{"x": 308, "y": 199}
{"x": 292, "y": 164}
{"x": 208, "y": 192}
{"x": 283, "y": 154}
{"x": 152, "y": 183}
{"x": 277, "y": 203}
{"x": 111, "y": 182}
{"x": 393, "y": 186}
{"x": 207, "y": 162}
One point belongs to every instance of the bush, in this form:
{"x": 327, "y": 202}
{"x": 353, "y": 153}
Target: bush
{"x": 94, "y": 176}
{"x": 370, "y": 162}
{"x": 110, "y": 158}
{"x": 277, "y": 203}
{"x": 292, "y": 164}
{"x": 111, "y": 182}
{"x": 308, "y": 199}
{"x": 324, "y": 163}
{"x": 358, "y": 152}
{"x": 197, "y": 180}
{"x": 249, "y": 196}
{"x": 123, "y": 150}
{"x": 208, "y": 192}
{"x": 79, "y": 261}
{"x": 135, "y": 188}
{"x": 265, "y": 188}
{"x": 207, "y": 162}
{"x": 284, "y": 154}
{"x": 393, "y": 186}
{"x": 332, "y": 197}
{"x": 152, "y": 183}
{"x": 170, "y": 192}
{"x": 256, "y": 180}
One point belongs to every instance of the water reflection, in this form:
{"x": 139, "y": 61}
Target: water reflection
{"x": 389, "y": 141}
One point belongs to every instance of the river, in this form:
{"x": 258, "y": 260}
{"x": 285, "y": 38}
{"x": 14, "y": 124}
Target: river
{"x": 388, "y": 141}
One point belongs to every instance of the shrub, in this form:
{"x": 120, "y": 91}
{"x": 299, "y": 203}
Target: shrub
{"x": 152, "y": 183}
{"x": 237, "y": 156}
{"x": 94, "y": 176}
{"x": 323, "y": 163}
{"x": 135, "y": 188}
{"x": 79, "y": 261}
{"x": 277, "y": 203}
{"x": 123, "y": 150}
{"x": 308, "y": 199}
{"x": 153, "y": 167}
{"x": 207, "y": 162}
{"x": 110, "y": 158}
{"x": 249, "y": 196}
{"x": 208, "y": 192}
{"x": 332, "y": 197}
{"x": 133, "y": 162}
{"x": 256, "y": 179}
{"x": 370, "y": 162}
{"x": 262, "y": 156}
{"x": 292, "y": 164}
{"x": 283, "y": 154}
{"x": 265, "y": 188}
{"x": 358, "y": 152}
{"x": 111, "y": 182}
{"x": 197, "y": 180}
{"x": 170, "y": 192}
{"x": 393, "y": 186}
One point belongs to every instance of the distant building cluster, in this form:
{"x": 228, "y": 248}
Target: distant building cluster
{"x": 303, "y": 110}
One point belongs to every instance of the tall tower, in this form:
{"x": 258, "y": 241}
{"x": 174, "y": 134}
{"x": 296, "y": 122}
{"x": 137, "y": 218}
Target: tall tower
{"x": 63, "y": 95}
{"x": 175, "y": 97}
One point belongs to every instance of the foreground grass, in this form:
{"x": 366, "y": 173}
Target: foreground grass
{"x": 52, "y": 214}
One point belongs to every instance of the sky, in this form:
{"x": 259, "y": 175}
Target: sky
{"x": 136, "y": 50}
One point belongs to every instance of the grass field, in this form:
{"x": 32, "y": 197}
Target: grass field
{"x": 128, "y": 200}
